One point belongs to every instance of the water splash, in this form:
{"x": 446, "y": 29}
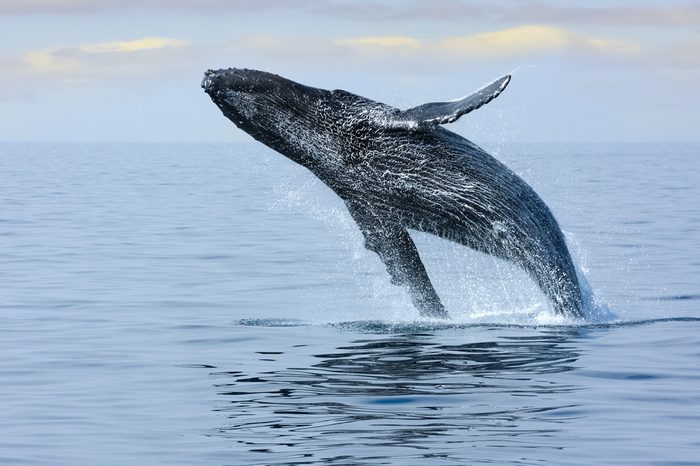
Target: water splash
{"x": 594, "y": 311}
{"x": 477, "y": 289}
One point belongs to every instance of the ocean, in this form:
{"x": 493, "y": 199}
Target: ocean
{"x": 213, "y": 304}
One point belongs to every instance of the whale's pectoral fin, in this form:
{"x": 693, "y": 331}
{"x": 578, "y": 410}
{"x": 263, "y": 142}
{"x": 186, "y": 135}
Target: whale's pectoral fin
{"x": 396, "y": 249}
{"x": 438, "y": 113}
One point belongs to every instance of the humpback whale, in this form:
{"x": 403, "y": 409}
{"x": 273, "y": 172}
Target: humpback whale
{"x": 401, "y": 169}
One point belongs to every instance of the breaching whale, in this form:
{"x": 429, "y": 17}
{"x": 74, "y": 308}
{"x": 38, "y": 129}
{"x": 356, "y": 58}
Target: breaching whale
{"x": 399, "y": 169}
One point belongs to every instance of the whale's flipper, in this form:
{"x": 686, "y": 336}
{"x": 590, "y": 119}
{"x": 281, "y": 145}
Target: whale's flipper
{"x": 439, "y": 113}
{"x": 396, "y": 249}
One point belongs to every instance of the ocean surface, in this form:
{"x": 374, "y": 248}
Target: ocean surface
{"x": 205, "y": 304}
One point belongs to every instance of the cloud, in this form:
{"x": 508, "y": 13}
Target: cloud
{"x": 43, "y": 7}
{"x": 661, "y": 14}
{"x": 632, "y": 15}
{"x": 450, "y": 10}
{"x": 505, "y": 48}
{"x": 403, "y": 52}
{"x": 155, "y": 57}
{"x": 521, "y": 41}
{"x": 137, "y": 56}
{"x": 668, "y": 14}
{"x": 530, "y": 40}
{"x": 147, "y": 43}
{"x": 105, "y": 62}
{"x": 385, "y": 42}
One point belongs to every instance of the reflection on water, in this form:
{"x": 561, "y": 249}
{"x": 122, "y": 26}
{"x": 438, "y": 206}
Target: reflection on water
{"x": 407, "y": 396}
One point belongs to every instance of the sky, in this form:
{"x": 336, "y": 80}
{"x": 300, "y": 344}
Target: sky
{"x": 128, "y": 70}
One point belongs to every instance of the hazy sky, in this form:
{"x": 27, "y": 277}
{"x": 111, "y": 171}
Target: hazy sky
{"x": 129, "y": 70}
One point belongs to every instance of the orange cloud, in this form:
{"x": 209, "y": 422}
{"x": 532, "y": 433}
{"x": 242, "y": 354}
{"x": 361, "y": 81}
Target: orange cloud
{"x": 99, "y": 57}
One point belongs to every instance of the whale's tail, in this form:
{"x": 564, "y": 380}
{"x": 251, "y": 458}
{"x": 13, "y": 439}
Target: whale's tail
{"x": 562, "y": 287}
{"x": 547, "y": 260}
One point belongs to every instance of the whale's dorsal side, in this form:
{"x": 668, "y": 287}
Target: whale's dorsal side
{"x": 438, "y": 113}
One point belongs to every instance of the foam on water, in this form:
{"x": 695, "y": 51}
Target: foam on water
{"x": 433, "y": 325}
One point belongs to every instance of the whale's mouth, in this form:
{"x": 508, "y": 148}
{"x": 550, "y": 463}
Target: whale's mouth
{"x": 234, "y": 79}
{"x": 247, "y": 81}
{"x": 216, "y": 81}
{"x": 213, "y": 81}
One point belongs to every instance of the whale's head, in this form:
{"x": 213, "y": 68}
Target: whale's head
{"x": 306, "y": 124}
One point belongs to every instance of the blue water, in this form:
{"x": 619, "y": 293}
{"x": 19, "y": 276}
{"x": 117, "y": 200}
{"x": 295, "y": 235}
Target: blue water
{"x": 213, "y": 304}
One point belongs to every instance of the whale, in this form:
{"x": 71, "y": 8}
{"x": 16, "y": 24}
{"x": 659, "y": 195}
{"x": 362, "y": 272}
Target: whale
{"x": 400, "y": 169}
